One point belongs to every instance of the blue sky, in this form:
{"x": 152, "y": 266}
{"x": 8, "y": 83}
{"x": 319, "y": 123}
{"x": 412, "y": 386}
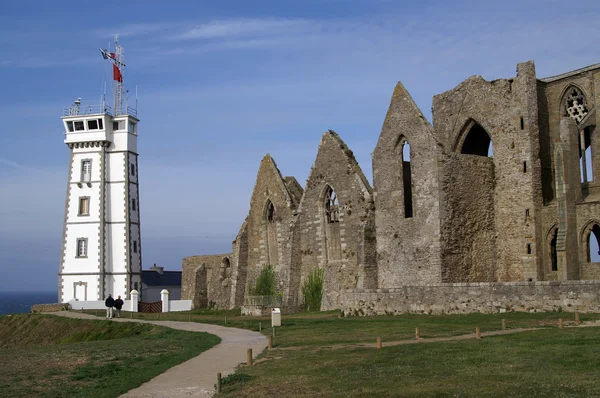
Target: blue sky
{"x": 222, "y": 83}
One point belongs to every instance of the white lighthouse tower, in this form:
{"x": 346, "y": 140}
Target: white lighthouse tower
{"x": 101, "y": 249}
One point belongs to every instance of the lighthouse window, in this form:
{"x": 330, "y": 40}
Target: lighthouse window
{"x": 119, "y": 125}
{"x": 92, "y": 125}
{"x": 70, "y": 126}
{"x": 84, "y": 206}
{"x": 95, "y": 124}
{"x": 86, "y": 170}
{"x": 131, "y": 127}
{"x": 135, "y": 246}
{"x": 79, "y": 125}
{"x": 132, "y": 169}
{"x": 82, "y": 247}
{"x": 133, "y": 205}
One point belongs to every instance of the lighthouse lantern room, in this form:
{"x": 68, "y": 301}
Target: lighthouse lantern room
{"x": 101, "y": 247}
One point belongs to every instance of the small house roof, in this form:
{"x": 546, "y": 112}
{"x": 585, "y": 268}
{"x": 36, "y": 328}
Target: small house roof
{"x": 167, "y": 278}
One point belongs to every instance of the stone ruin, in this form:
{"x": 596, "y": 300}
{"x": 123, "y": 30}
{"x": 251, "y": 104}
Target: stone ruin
{"x": 491, "y": 208}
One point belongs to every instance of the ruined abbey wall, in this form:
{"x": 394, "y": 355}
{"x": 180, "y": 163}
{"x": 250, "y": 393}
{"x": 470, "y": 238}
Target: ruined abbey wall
{"x": 483, "y": 297}
{"x": 332, "y": 225}
{"x": 573, "y": 208}
{"x": 506, "y": 110}
{"x": 407, "y": 203}
{"x": 269, "y": 224}
{"x": 469, "y": 244}
{"x": 499, "y": 196}
{"x": 206, "y": 280}
{"x": 239, "y": 267}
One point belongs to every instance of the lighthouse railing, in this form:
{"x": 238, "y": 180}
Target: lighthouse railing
{"x": 77, "y": 110}
{"x": 81, "y": 110}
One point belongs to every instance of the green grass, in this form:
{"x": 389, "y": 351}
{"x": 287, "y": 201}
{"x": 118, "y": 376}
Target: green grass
{"x": 547, "y": 362}
{"x": 48, "y": 356}
{"x": 327, "y": 328}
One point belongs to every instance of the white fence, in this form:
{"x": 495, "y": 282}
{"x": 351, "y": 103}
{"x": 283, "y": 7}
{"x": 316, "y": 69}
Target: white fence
{"x": 132, "y": 305}
{"x": 180, "y": 305}
{"x": 97, "y": 305}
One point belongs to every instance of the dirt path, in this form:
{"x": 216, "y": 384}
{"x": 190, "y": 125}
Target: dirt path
{"x": 197, "y": 376}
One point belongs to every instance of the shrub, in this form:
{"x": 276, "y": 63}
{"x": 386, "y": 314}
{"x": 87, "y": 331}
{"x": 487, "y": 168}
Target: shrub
{"x": 265, "y": 284}
{"x": 313, "y": 290}
{"x": 235, "y": 378}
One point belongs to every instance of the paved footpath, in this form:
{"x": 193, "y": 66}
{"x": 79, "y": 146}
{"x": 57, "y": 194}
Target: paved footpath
{"x": 197, "y": 376}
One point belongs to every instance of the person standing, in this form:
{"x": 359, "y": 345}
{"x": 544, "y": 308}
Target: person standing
{"x": 109, "y": 303}
{"x": 118, "y": 306}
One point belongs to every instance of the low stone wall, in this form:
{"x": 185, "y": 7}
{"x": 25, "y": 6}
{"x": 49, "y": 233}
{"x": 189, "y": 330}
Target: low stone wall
{"x": 463, "y": 298}
{"x": 256, "y": 310}
{"x": 50, "y": 307}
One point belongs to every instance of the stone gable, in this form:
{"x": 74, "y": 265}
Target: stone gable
{"x": 332, "y": 216}
{"x": 269, "y": 224}
{"x": 408, "y": 245}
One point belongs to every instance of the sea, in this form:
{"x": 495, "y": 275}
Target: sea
{"x": 21, "y": 302}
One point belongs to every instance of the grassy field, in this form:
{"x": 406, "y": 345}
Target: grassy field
{"x": 48, "y": 356}
{"x": 326, "y": 328}
{"x": 547, "y": 362}
{"x": 314, "y": 356}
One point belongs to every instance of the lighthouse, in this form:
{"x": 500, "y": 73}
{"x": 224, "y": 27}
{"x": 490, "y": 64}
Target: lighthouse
{"x": 101, "y": 244}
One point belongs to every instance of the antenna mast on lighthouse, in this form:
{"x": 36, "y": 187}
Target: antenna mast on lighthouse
{"x": 118, "y": 65}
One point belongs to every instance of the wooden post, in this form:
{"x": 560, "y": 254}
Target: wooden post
{"x": 273, "y": 331}
{"x": 378, "y": 342}
{"x": 560, "y": 323}
{"x": 158, "y": 316}
{"x": 477, "y": 333}
{"x": 190, "y": 319}
{"x": 504, "y": 324}
{"x": 249, "y": 357}
{"x": 96, "y": 312}
{"x": 417, "y": 334}
{"x": 260, "y": 327}
{"x": 218, "y": 383}
{"x": 225, "y": 320}
{"x": 131, "y": 314}
{"x": 270, "y": 340}
{"x": 577, "y": 321}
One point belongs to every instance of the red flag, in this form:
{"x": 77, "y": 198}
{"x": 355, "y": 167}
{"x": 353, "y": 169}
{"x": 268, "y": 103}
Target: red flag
{"x": 117, "y": 74}
{"x": 112, "y": 55}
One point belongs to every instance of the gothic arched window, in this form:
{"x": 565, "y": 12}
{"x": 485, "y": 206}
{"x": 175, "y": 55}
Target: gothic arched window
{"x": 477, "y": 142}
{"x": 575, "y": 104}
{"x": 593, "y": 244}
{"x": 406, "y": 178}
{"x": 270, "y": 212}
{"x": 225, "y": 266}
{"x": 331, "y": 206}
{"x": 553, "y": 236}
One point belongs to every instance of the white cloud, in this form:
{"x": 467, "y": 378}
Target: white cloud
{"x": 246, "y": 28}
{"x": 45, "y": 61}
{"x": 135, "y": 29}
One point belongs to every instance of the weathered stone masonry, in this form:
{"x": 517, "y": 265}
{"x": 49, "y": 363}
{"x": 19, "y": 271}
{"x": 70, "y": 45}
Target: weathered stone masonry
{"x": 497, "y": 197}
